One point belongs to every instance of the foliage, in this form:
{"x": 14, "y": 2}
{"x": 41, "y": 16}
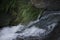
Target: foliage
{"x": 13, "y": 12}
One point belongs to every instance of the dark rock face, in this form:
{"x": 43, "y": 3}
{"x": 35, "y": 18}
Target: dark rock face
{"x": 6, "y": 12}
{"x": 29, "y": 38}
{"x": 55, "y": 34}
{"x": 49, "y": 4}
{"x": 53, "y": 17}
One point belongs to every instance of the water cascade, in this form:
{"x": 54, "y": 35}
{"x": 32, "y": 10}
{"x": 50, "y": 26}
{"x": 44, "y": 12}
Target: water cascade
{"x": 35, "y": 30}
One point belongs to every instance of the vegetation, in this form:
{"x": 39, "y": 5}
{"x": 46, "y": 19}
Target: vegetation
{"x": 13, "y": 12}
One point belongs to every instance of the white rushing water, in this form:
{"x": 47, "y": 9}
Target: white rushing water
{"x": 9, "y": 33}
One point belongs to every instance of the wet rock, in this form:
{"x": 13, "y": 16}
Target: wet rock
{"x": 30, "y": 38}
{"x": 55, "y": 34}
{"x": 49, "y": 4}
{"x": 51, "y": 20}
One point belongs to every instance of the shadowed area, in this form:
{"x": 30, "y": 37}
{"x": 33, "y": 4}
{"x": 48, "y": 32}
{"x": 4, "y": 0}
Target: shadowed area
{"x": 30, "y": 20}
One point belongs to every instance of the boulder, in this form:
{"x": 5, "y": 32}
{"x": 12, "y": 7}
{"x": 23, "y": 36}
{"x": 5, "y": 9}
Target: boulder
{"x": 49, "y": 4}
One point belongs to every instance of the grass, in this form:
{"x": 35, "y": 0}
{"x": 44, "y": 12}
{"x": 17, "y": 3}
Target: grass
{"x": 18, "y": 11}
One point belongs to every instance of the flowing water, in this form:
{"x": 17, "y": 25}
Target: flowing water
{"x": 38, "y": 29}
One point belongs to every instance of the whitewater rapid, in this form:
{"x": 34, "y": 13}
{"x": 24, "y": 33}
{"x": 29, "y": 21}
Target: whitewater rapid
{"x": 10, "y": 33}
{"x": 21, "y": 31}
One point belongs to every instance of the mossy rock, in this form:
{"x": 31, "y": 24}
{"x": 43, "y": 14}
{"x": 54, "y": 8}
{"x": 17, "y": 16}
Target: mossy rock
{"x": 13, "y": 12}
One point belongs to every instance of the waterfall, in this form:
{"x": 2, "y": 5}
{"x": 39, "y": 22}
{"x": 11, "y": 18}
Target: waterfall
{"x": 39, "y": 28}
{"x": 10, "y": 33}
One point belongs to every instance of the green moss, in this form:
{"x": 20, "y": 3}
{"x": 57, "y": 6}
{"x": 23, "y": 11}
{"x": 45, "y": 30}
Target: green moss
{"x": 27, "y": 13}
{"x": 13, "y": 12}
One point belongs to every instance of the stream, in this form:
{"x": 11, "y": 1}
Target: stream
{"x": 35, "y": 30}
